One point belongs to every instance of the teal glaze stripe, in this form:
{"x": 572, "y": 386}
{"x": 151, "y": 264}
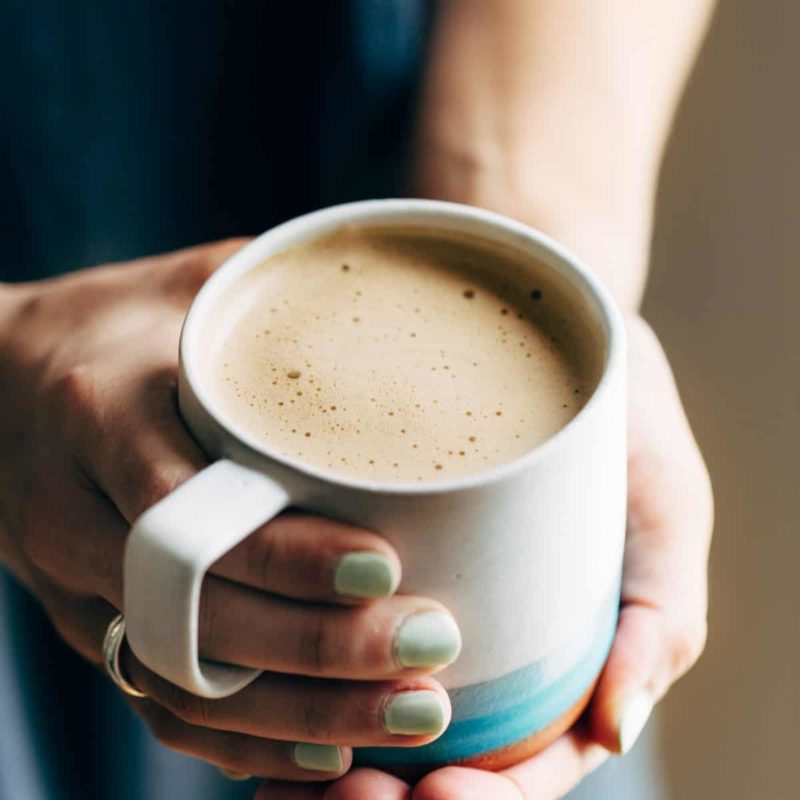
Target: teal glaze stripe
{"x": 483, "y": 734}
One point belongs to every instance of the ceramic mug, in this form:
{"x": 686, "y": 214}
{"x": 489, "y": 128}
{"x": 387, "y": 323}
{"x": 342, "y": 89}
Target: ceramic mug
{"x": 526, "y": 555}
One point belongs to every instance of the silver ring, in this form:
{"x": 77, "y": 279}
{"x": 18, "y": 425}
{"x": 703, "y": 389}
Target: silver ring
{"x": 112, "y": 643}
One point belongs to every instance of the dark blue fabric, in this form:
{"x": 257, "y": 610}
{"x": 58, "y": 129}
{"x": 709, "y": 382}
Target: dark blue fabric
{"x": 130, "y": 127}
{"x": 137, "y": 126}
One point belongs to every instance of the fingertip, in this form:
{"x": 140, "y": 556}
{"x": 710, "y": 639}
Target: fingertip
{"x": 366, "y": 575}
{"x": 368, "y": 567}
{"x": 429, "y": 639}
{"x": 635, "y": 713}
{"x": 422, "y": 715}
{"x": 327, "y": 761}
{"x": 311, "y": 558}
{"x": 364, "y": 783}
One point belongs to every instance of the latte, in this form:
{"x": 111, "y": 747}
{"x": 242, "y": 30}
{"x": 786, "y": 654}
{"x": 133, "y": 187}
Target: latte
{"x": 398, "y": 356}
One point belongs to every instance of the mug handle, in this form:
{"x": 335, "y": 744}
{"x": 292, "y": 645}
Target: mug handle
{"x": 169, "y": 550}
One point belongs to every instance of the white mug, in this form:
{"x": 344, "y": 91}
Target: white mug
{"x": 526, "y": 555}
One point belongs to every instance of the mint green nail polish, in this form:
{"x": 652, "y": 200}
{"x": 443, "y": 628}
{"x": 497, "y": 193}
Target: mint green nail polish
{"x": 234, "y": 776}
{"x": 364, "y": 575}
{"x": 428, "y": 640}
{"x": 318, "y": 757}
{"x": 414, "y": 713}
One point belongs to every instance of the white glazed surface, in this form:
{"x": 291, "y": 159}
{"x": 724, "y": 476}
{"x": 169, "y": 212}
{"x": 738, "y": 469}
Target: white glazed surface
{"x": 522, "y": 554}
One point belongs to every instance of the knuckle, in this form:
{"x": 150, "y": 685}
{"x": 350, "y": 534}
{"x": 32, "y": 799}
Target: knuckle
{"x": 689, "y": 645}
{"x": 154, "y": 482}
{"x": 74, "y": 636}
{"x": 261, "y": 554}
{"x": 320, "y": 649}
{"x": 35, "y": 541}
{"x": 40, "y": 538}
{"x": 74, "y": 397}
{"x": 210, "y": 625}
{"x": 76, "y": 386}
{"x": 185, "y": 706}
{"x": 314, "y": 725}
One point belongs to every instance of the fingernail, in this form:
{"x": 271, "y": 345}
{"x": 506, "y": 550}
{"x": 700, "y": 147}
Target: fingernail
{"x": 428, "y": 640}
{"x": 364, "y": 575}
{"x": 234, "y": 776}
{"x": 414, "y": 713}
{"x": 318, "y": 757}
{"x": 634, "y": 717}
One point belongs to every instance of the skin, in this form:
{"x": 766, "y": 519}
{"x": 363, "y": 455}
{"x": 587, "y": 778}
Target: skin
{"x": 551, "y": 111}
{"x": 91, "y": 437}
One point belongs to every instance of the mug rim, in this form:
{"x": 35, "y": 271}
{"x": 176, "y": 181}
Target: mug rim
{"x": 316, "y": 223}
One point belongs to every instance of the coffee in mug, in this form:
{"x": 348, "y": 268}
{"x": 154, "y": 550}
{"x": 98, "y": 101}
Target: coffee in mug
{"x": 399, "y": 355}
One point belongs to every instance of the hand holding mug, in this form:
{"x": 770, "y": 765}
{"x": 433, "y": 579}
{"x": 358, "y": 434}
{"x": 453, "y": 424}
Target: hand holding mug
{"x": 662, "y": 627}
{"x": 91, "y": 437}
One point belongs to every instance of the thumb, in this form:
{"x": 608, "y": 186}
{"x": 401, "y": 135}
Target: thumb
{"x": 662, "y": 625}
{"x": 629, "y": 685}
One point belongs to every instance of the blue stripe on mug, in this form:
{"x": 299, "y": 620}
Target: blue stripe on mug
{"x": 495, "y": 714}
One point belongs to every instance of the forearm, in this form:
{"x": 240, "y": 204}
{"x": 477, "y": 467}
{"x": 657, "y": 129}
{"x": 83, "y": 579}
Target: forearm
{"x": 556, "y": 112}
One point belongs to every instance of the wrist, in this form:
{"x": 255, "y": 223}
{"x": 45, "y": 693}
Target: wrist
{"x": 607, "y": 224}
{"x": 12, "y": 296}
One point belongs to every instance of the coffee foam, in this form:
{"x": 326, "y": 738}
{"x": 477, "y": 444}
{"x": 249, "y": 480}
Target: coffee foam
{"x": 398, "y": 355}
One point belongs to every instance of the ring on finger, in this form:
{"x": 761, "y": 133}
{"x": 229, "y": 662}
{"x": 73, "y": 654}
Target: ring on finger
{"x": 112, "y": 644}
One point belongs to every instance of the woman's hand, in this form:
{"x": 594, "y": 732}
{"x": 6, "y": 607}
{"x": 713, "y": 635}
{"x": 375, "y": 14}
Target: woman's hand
{"x": 662, "y": 623}
{"x": 90, "y": 437}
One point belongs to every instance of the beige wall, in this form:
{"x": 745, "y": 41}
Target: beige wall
{"x": 725, "y": 296}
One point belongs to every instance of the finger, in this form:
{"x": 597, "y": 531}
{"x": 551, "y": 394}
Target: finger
{"x": 83, "y": 622}
{"x": 630, "y": 683}
{"x": 462, "y": 783}
{"x": 358, "y": 784}
{"x": 362, "y": 783}
{"x": 243, "y": 754}
{"x": 131, "y": 440}
{"x": 124, "y": 425}
{"x": 648, "y": 655}
{"x": 180, "y": 275}
{"x": 670, "y": 513}
{"x": 398, "y": 714}
{"x": 80, "y": 621}
{"x": 547, "y": 776}
{"x": 389, "y": 637}
{"x": 313, "y": 559}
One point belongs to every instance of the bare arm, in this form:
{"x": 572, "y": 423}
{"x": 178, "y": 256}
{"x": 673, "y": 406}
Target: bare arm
{"x": 556, "y": 112}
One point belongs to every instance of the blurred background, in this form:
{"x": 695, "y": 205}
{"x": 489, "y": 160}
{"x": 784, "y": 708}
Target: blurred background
{"x": 724, "y": 295}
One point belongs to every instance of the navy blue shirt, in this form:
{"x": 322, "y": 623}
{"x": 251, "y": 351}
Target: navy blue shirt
{"x": 138, "y": 126}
